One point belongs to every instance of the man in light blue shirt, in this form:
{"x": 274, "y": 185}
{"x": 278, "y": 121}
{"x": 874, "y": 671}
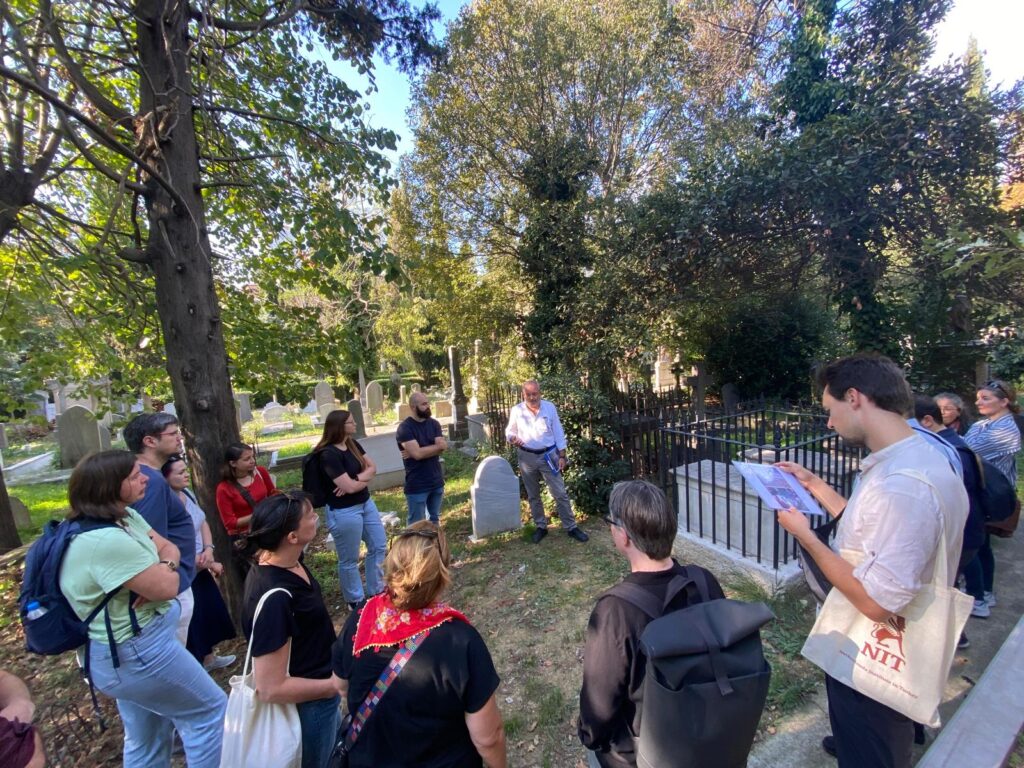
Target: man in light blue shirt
{"x": 534, "y": 428}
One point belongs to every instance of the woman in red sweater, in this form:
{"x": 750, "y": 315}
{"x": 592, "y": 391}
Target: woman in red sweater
{"x": 243, "y": 485}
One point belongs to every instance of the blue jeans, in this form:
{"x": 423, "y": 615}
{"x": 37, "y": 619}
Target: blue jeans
{"x": 160, "y": 687}
{"x": 349, "y": 526}
{"x": 425, "y": 503}
{"x": 319, "y": 720}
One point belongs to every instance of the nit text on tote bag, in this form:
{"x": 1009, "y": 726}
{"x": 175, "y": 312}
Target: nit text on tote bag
{"x": 257, "y": 732}
{"x": 902, "y": 663}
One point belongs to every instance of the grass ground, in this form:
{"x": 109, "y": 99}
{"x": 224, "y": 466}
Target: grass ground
{"x": 530, "y": 602}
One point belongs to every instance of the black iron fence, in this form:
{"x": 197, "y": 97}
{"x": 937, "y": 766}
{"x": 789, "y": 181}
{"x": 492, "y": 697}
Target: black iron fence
{"x": 711, "y": 496}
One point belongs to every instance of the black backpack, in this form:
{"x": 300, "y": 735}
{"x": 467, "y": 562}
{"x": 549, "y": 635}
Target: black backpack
{"x": 997, "y": 497}
{"x": 706, "y": 680}
{"x": 315, "y": 481}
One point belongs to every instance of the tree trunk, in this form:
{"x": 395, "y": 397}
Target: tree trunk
{"x": 179, "y": 251}
{"x": 9, "y": 538}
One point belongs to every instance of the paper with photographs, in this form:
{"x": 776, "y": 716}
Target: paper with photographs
{"x": 777, "y": 489}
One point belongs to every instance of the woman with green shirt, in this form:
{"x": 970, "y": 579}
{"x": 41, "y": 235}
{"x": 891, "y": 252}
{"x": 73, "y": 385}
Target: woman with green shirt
{"x": 158, "y": 685}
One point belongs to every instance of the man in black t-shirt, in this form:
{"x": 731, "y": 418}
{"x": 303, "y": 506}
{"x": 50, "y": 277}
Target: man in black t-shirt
{"x": 643, "y": 528}
{"x": 421, "y": 444}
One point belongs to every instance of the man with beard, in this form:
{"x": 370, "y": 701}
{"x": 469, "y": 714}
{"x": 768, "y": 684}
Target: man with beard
{"x": 421, "y": 444}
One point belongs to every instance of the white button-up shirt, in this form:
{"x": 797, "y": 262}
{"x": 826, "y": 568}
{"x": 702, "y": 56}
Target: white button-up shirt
{"x": 906, "y": 497}
{"x": 537, "y": 431}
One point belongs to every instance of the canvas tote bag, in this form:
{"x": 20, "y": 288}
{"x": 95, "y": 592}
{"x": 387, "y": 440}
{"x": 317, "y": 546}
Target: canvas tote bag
{"x": 904, "y": 662}
{"x": 257, "y": 732}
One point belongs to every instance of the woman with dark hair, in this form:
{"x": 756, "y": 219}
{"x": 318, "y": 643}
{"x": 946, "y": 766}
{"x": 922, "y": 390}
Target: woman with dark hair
{"x": 134, "y": 655}
{"x": 953, "y": 415}
{"x": 996, "y": 438}
{"x": 211, "y": 622}
{"x": 351, "y": 515}
{"x": 441, "y": 708}
{"x": 291, "y": 643}
{"x": 243, "y": 484}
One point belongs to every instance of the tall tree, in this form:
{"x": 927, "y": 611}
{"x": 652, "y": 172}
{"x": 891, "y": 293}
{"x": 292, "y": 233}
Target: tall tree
{"x": 188, "y": 109}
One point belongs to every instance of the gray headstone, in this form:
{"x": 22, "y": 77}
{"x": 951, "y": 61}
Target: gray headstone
{"x": 362, "y": 387}
{"x": 416, "y": 388}
{"x": 244, "y": 407}
{"x": 402, "y": 394}
{"x": 495, "y": 496}
{"x": 171, "y": 409}
{"x": 104, "y": 438}
{"x": 3, "y": 437}
{"x": 323, "y": 394}
{"x": 273, "y": 412}
{"x": 374, "y": 397}
{"x": 310, "y": 407}
{"x": 730, "y": 397}
{"x": 22, "y": 519}
{"x": 355, "y": 410}
{"x": 326, "y": 408}
{"x": 459, "y": 399}
{"x": 78, "y": 433}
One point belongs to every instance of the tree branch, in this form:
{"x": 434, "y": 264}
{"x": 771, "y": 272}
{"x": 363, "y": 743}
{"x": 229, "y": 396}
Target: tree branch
{"x": 229, "y": 25}
{"x": 278, "y": 119}
{"x": 91, "y": 92}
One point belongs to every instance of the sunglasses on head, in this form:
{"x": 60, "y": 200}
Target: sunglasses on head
{"x": 996, "y": 386}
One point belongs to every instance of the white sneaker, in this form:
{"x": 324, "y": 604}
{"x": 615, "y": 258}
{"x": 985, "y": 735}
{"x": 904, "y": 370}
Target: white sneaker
{"x": 980, "y": 610}
{"x": 219, "y": 662}
{"x": 990, "y": 599}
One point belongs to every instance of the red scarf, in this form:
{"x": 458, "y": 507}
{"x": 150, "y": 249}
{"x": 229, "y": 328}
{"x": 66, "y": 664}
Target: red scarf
{"x": 381, "y": 623}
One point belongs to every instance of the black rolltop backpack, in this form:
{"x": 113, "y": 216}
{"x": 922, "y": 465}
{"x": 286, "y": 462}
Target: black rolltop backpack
{"x": 706, "y": 680}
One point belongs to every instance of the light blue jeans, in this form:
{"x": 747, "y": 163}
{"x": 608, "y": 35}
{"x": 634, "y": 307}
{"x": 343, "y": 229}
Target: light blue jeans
{"x": 425, "y": 503}
{"x": 319, "y": 720}
{"x": 160, "y": 687}
{"x": 349, "y": 526}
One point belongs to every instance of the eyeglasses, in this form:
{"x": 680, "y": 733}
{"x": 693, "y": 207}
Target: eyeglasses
{"x": 176, "y": 432}
{"x": 948, "y": 408}
{"x": 611, "y": 520}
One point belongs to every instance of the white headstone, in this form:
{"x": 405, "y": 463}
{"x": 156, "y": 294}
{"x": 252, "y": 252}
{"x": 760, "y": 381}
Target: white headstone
{"x": 274, "y": 412}
{"x": 495, "y": 496}
{"x": 171, "y": 409}
{"x": 374, "y": 397}
{"x": 310, "y": 408}
{"x": 323, "y": 394}
{"x": 326, "y": 408}
{"x": 78, "y": 433}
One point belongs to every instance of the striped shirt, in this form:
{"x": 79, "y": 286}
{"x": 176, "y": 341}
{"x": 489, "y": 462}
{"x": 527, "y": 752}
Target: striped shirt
{"x": 997, "y": 442}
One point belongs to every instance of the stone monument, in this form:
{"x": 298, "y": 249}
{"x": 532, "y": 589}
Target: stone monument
{"x": 78, "y": 433}
{"x": 495, "y": 497}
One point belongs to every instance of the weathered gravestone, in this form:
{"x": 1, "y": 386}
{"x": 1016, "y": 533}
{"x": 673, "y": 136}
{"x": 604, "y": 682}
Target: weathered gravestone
{"x": 403, "y": 411}
{"x": 244, "y": 407}
{"x": 355, "y": 411}
{"x": 495, "y": 496}
{"x": 171, "y": 409}
{"x": 416, "y": 388}
{"x": 78, "y": 433}
{"x": 274, "y": 412}
{"x": 442, "y": 409}
{"x": 374, "y": 397}
{"x": 730, "y": 397}
{"x": 104, "y": 438}
{"x": 323, "y": 394}
{"x": 326, "y": 408}
{"x": 3, "y": 437}
{"x": 459, "y": 400}
{"x": 22, "y": 519}
{"x": 402, "y": 394}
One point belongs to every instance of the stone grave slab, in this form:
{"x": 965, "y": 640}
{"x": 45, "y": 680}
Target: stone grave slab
{"x": 495, "y": 497}
{"x": 374, "y": 397}
{"x": 323, "y": 394}
{"x": 78, "y": 433}
{"x": 355, "y": 410}
{"x": 274, "y": 412}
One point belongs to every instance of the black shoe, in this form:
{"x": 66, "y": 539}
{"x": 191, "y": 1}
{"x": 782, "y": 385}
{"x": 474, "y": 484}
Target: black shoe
{"x": 963, "y": 642}
{"x": 918, "y": 733}
{"x": 829, "y": 745}
{"x": 539, "y": 534}
{"x": 576, "y": 533}
{"x": 353, "y": 607}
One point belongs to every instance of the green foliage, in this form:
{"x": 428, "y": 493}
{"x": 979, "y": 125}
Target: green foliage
{"x": 593, "y": 468}
{"x": 766, "y": 345}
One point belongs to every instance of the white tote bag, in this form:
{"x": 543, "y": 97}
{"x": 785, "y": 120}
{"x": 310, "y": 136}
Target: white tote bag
{"x": 257, "y": 733}
{"x": 902, "y": 663}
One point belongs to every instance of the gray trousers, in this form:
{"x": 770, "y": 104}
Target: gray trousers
{"x": 532, "y": 467}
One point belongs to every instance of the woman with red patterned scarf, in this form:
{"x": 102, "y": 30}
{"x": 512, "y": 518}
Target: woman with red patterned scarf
{"x": 440, "y": 711}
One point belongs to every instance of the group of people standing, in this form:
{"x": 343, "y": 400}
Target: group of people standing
{"x": 153, "y": 646}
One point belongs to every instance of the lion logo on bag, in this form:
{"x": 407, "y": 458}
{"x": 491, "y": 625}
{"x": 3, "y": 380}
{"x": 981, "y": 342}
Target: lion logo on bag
{"x": 882, "y": 650}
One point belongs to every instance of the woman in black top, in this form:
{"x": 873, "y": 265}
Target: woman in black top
{"x": 351, "y": 515}
{"x": 291, "y": 643}
{"x": 441, "y": 711}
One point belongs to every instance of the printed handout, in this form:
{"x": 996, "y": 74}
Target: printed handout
{"x": 777, "y": 489}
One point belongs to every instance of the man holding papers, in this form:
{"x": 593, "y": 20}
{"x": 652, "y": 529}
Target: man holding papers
{"x": 907, "y": 504}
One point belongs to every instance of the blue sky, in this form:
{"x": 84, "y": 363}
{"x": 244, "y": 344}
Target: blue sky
{"x": 996, "y": 24}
